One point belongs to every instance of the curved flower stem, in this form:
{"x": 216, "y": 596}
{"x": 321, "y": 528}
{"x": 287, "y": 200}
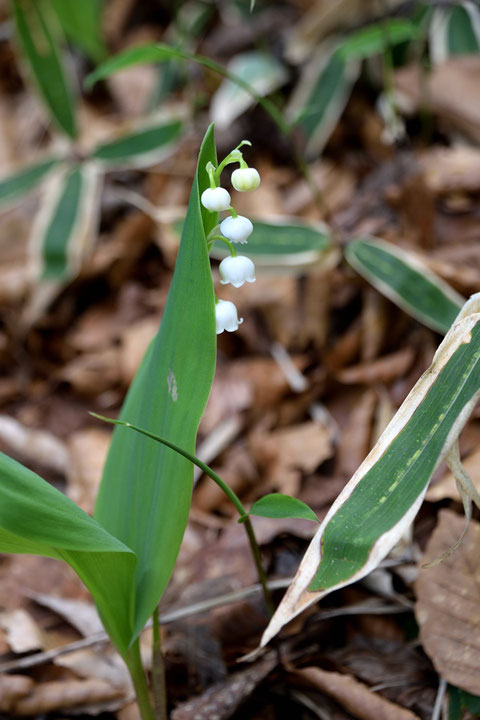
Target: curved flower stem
{"x": 232, "y": 496}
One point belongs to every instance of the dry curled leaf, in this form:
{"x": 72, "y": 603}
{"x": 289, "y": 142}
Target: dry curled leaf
{"x": 12, "y": 688}
{"x": 354, "y": 696}
{"x": 57, "y": 695}
{"x": 447, "y": 609}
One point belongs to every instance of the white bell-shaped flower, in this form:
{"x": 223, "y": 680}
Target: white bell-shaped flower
{"x": 237, "y": 270}
{"x": 216, "y": 199}
{"x": 245, "y": 179}
{"x": 226, "y": 316}
{"x": 236, "y": 229}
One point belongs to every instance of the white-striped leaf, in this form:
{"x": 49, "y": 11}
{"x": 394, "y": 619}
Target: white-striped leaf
{"x": 21, "y": 182}
{"x": 63, "y": 230}
{"x": 406, "y": 280}
{"x": 142, "y": 146}
{"x": 454, "y": 30}
{"x": 263, "y": 72}
{"x": 384, "y": 495}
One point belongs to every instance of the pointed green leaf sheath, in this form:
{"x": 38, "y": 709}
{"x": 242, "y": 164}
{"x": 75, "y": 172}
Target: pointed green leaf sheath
{"x": 145, "y": 493}
{"x": 277, "y": 505}
{"x": 18, "y": 184}
{"x": 406, "y": 281}
{"x": 384, "y": 495}
{"x": 37, "y": 519}
{"x": 45, "y": 62}
{"x": 82, "y": 24}
{"x": 143, "y": 147}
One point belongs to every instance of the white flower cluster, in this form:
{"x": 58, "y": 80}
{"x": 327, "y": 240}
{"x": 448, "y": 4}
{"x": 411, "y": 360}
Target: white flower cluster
{"x": 236, "y": 269}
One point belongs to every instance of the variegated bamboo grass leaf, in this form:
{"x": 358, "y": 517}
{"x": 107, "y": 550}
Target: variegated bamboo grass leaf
{"x": 261, "y": 70}
{"x": 44, "y": 60}
{"x": 37, "y": 519}
{"x": 375, "y": 39}
{"x": 381, "y": 500}
{"x": 82, "y": 24}
{"x": 454, "y": 30}
{"x": 17, "y": 184}
{"x": 287, "y": 243}
{"x": 145, "y": 145}
{"x": 406, "y": 281}
{"x": 64, "y": 228}
{"x": 145, "y": 493}
{"x": 321, "y": 96}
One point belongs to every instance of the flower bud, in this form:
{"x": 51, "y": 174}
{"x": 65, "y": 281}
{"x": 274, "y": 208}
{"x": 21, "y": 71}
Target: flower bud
{"x": 237, "y": 270}
{"x": 236, "y": 229}
{"x": 244, "y": 179}
{"x": 226, "y": 316}
{"x": 216, "y": 199}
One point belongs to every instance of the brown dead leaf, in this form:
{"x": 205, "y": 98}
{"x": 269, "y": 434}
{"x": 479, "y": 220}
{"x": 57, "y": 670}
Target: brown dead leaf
{"x": 12, "y": 689}
{"x": 34, "y": 444}
{"x": 452, "y": 169}
{"x": 134, "y": 343}
{"x": 88, "y": 451}
{"x": 222, "y": 699}
{"x": 447, "y": 609}
{"x": 62, "y": 695}
{"x": 383, "y": 370}
{"x": 446, "y": 487}
{"x": 353, "y": 695}
{"x": 286, "y": 453}
{"x": 355, "y": 440}
{"x": 23, "y": 633}
{"x": 93, "y": 373}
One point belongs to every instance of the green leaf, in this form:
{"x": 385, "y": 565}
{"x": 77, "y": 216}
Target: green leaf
{"x": 463, "y": 33}
{"x": 134, "y": 56}
{"x": 145, "y": 146}
{"x": 262, "y": 71}
{"x": 45, "y": 62}
{"x": 290, "y": 243}
{"x": 82, "y": 24}
{"x": 384, "y": 495}
{"x": 277, "y": 505}
{"x": 18, "y": 184}
{"x": 406, "y": 281}
{"x": 37, "y": 519}
{"x": 145, "y": 493}
{"x": 374, "y": 39}
{"x": 320, "y": 98}
{"x": 63, "y": 228}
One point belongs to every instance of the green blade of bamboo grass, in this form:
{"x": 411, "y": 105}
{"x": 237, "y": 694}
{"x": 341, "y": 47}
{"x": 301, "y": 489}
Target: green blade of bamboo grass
{"x": 290, "y": 243}
{"x": 142, "y": 147}
{"x": 37, "y": 519}
{"x": 63, "y": 230}
{"x": 145, "y": 492}
{"x": 45, "y": 62}
{"x": 463, "y": 29}
{"x": 20, "y": 183}
{"x": 384, "y": 495}
{"x": 374, "y": 39}
{"x": 82, "y": 24}
{"x": 403, "y": 278}
{"x": 321, "y": 96}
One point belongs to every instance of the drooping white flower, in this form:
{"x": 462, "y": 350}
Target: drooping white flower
{"x": 236, "y": 229}
{"x": 237, "y": 270}
{"x": 216, "y": 199}
{"x": 244, "y": 179}
{"x": 226, "y": 316}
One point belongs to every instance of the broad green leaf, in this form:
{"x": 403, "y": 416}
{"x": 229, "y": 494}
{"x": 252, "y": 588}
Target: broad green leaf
{"x": 277, "y": 505}
{"x": 82, "y": 24}
{"x": 142, "y": 147}
{"x": 37, "y": 519}
{"x": 262, "y": 71}
{"x": 145, "y": 493}
{"x": 374, "y": 39}
{"x": 45, "y": 62}
{"x": 290, "y": 243}
{"x": 405, "y": 280}
{"x": 62, "y": 232}
{"x": 321, "y": 96}
{"x": 19, "y": 183}
{"x": 454, "y": 31}
{"x": 385, "y": 493}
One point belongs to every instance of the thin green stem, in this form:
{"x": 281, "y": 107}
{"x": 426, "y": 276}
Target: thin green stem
{"x": 232, "y": 250}
{"x": 135, "y": 668}
{"x": 158, "y": 672}
{"x": 232, "y": 496}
